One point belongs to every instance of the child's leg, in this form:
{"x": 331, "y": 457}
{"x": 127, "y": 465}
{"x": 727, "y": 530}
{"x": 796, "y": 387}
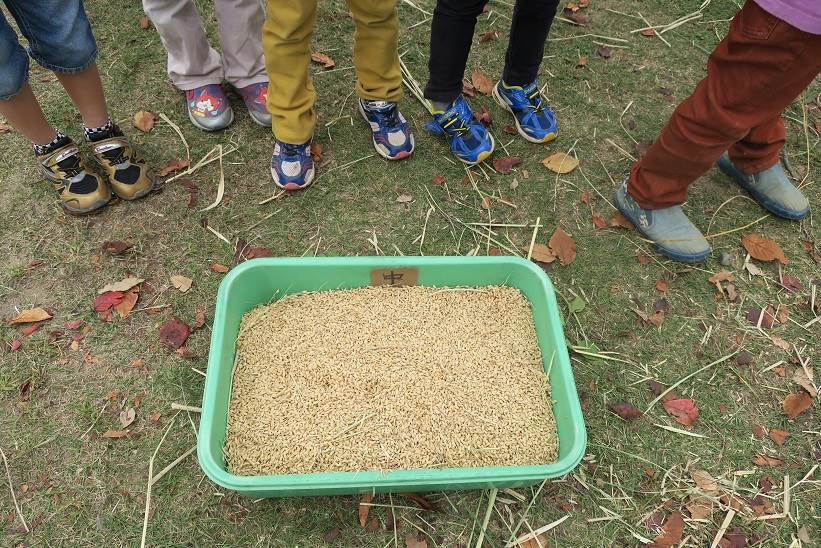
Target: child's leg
{"x": 192, "y": 62}
{"x": 376, "y": 57}
{"x": 286, "y": 42}
{"x": 240, "y": 27}
{"x": 23, "y": 112}
{"x": 86, "y": 92}
{"x": 450, "y": 39}
{"x": 759, "y": 68}
{"x": 528, "y": 32}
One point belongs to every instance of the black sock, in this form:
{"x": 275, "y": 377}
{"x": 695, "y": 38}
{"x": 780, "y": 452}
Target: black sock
{"x": 109, "y": 129}
{"x": 59, "y": 141}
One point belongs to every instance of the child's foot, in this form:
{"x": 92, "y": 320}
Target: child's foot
{"x": 255, "y": 97}
{"x": 534, "y": 119}
{"x": 771, "y": 188}
{"x": 208, "y": 107}
{"x": 469, "y": 140}
{"x": 81, "y": 190}
{"x": 668, "y": 228}
{"x": 392, "y": 136}
{"x": 292, "y": 166}
{"x": 127, "y": 174}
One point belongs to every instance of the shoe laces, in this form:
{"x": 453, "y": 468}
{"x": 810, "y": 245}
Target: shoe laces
{"x": 388, "y": 112}
{"x": 458, "y": 124}
{"x": 534, "y": 99}
{"x": 291, "y": 150}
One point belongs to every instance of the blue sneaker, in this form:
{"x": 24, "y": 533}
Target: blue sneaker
{"x": 668, "y": 228}
{"x": 392, "y": 137}
{"x": 771, "y": 188}
{"x": 469, "y": 140}
{"x": 534, "y": 119}
{"x": 292, "y": 166}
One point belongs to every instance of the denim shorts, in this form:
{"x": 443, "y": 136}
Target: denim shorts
{"x": 59, "y": 38}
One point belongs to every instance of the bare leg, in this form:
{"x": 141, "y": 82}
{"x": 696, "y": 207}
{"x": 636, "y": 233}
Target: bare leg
{"x": 86, "y": 92}
{"x": 24, "y": 114}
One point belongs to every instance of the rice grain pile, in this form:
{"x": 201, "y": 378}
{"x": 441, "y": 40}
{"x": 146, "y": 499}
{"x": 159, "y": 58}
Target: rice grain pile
{"x": 389, "y": 378}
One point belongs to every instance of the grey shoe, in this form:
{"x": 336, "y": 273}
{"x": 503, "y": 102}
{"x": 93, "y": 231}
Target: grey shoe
{"x": 255, "y": 97}
{"x": 771, "y": 188}
{"x": 669, "y": 228}
{"x": 208, "y": 107}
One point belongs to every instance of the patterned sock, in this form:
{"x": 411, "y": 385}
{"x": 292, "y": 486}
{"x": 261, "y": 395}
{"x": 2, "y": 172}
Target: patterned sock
{"x": 54, "y": 144}
{"x": 109, "y": 129}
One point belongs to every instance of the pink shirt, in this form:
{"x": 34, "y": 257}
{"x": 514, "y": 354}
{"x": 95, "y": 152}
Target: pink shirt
{"x": 802, "y": 14}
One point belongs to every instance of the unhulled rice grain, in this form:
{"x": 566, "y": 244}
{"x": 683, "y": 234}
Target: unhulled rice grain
{"x": 389, "y": 378}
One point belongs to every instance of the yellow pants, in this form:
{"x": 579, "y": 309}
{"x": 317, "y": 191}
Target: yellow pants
{"x": 286, "y": 42}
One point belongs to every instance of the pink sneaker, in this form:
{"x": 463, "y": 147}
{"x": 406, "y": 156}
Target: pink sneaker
{"x": 255, "y": 97}
{"x": 208, "y": 107}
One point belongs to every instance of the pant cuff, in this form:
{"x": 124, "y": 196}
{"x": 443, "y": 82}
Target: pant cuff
{"x": 67, "y": 70}
{"x": 754, "y": 167}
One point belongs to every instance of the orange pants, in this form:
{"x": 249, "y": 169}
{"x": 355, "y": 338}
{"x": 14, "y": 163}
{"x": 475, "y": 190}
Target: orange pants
{"x": 759, "y": 68}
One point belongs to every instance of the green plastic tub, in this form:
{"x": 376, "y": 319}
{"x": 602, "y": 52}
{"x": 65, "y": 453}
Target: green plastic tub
{"x": 257, "y": 281}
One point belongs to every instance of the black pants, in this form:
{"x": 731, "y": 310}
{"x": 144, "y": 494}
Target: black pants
{"x": 452, "y": 34}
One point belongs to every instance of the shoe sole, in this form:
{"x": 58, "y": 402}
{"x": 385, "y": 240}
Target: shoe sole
{"x": 689, "y": 259}
{"x": 99, "y": 204}
{"x": 200, "y": 126}
{"x": 293, "y": 186}
{"x": 399, "y": 156}
{"x": 482, "y": 155}
{"x": 546, "y": 139}
{"x": 762, "y": 200}
{"x": 137, "y": 196}
{"x": 257, "y": 121}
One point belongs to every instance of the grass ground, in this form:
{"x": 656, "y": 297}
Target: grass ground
{"x": 75, "y": 487}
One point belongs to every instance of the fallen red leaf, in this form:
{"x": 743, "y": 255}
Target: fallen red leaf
{"x": 106, "y": 300}
{"x": 15, "y": 345}
{"x": 563, "y": 246}
{"x": 174, "y": 333}
{"x": 28, "y": 330}
{"x": 778, "y": 436}
{"x": 145, "y": 23}
{"x": 438, "y": 180}
{"x": 766, "y": 317}
{"x": 482, "y": 116}
{"x": 599, "y": 221}
{"x": 620, "y": 220}
{"x": 316, "y": 151}
{"x": 487, "y": 36}
{"x": 510, "y": 130}
{"x": 683, "y": 411}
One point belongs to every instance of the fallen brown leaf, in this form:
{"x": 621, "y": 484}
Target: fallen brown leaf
{"x": 115, "y": 434}
{"x": 806, "y": 382}
{"x": 662, "y": 286}
{"x": 648, "y": 32}
{"x": 542, "y": 254}
{"x": 413, "y": 540}
{"x": 31, "y": 315}
{"x": 219, "y": 268}
{"x": 563, "y": 246}
{"x": 505, "y": 164}
{"x": 671, "y": 532}
{"x": 489, "y": 35}
{"x": 145, "y": 23}
{"x": 705, "y": 481}
{"x": 115, "y": 247}
{"x": 621, "y": 221}
{"x": 583, "y": 61}
{"x": 323, "y": 60}
{"x": 605, "y": 52}
{"x": 778, "y": 436}
{"x": 316, "y": 152}
{"x": 627, "y": 411}
{"x": 364, "y": 508}
{"x": 127, "y": 303}
{"x": 123, "y": 285}
{"x": 764, "y": 460}
{"x": 144, "y": 121}
{"x": 481, "y": 82}
{"x": 560, "y": 163}
{"x": 127, "y": 416}
{"x": 172, "y": 166}
{"x": 699, "y": 506}
{"x": 598, "y": 221}
{"x": 795, "y": 404}
{"x": 182, "y": 283}
{"x": 763, "y": 249}
{"x": 759, "y": 431}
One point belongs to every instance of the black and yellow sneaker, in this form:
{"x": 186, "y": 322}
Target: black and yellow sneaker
{"x": 81, "y": 190}
{"x": 127, "y": 174}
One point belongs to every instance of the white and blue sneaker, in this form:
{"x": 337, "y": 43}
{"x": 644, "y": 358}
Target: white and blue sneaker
{"x": 771, "y": 188}
{"x": 469, "y": 140}
{"x": 668, "y": 228}
{"x": 392, "y": 137}
{"x": 534, "y": 119}
{"x": 292, "y": 166}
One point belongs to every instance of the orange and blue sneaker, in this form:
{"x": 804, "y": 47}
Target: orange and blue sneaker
{"x": 392, "y": 137}
{"x": 534, "y": 119}
{"x": 255, "y": 97}
{"x": 208, "y": 107}
{"x": 292, "y": 166}
{"x": 469, "y": 140}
